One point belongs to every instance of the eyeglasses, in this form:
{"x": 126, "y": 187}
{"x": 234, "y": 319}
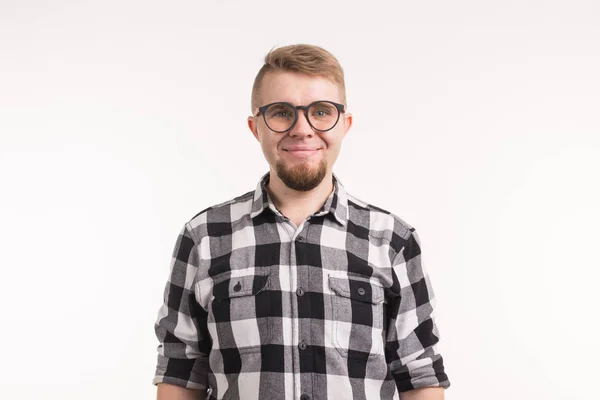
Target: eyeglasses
{"x": 322, "y": 115}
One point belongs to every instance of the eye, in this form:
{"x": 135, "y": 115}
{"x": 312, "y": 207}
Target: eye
{"x": 321, "y": 112}
{"x": 280, "y": 112}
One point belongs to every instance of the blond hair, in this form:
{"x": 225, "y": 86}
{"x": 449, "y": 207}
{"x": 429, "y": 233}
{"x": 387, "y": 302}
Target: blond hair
{"x": 302, "y": 58}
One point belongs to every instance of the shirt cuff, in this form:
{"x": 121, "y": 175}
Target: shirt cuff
{"x": 188, "y": 373}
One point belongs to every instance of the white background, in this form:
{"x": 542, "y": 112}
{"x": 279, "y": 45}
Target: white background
{"x": 475, "y": 121}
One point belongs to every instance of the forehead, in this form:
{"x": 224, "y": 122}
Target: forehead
{"x": 296, "y": 88}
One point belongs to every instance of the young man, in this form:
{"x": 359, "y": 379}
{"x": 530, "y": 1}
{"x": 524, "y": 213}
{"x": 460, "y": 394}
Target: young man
{"x": 298, "y": 290}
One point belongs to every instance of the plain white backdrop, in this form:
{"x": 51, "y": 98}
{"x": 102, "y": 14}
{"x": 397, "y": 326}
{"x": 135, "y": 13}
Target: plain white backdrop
{"x": 475, "y": 121}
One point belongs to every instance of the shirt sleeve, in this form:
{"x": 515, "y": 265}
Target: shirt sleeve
{"x": 181, "y": 324}
{"x": 412, "y": 336}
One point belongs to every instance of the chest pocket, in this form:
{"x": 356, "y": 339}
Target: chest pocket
{"x": 241, "y": 311}
{"x": 358, "y": 316}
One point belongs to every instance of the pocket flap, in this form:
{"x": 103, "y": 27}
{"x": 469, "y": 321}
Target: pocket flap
{"x": 238, "y": 286}
{"x": 357, "y": 289}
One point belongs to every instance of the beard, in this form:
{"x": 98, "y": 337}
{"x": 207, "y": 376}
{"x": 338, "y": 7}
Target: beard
{"x": 301, "y": 177}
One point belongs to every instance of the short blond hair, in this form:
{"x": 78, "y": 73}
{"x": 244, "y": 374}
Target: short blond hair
{"x": 302, "y": 58}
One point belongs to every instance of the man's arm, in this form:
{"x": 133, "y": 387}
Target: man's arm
{"x": 430, "y": 393}
{"x": 171, "y": 392}
{"x": 181, "y": 326}
{"x": 412, "y": 336}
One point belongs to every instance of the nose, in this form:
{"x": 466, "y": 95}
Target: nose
{"x": 301, "y": 127}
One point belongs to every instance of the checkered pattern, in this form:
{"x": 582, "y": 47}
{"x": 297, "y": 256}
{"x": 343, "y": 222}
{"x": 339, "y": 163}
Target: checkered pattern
{"x": 339, "y": 307}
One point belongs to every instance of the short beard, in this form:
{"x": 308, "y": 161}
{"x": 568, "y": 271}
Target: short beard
{"x": 301, "y": 178}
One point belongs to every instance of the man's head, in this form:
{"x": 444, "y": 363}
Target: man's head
{"x": 300, "y": 75}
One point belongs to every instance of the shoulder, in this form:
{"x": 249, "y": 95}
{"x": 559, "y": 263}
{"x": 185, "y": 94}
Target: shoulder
{"x": 220, "y": 217}
{"x": 380, "y": 222}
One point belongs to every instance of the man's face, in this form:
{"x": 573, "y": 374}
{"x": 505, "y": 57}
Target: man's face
{"x": 301, "y": 157}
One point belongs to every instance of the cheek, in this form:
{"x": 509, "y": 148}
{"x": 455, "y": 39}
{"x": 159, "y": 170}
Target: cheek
{"x": 332, "y": 142}
{"x": 270, "y": 146}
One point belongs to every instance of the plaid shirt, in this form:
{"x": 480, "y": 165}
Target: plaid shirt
{"x": 338, "y": 307}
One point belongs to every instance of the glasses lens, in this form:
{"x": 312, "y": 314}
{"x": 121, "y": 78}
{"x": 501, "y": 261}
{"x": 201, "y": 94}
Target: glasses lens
{"x": 280, "y": 117}
{"x": 323, "y": 115}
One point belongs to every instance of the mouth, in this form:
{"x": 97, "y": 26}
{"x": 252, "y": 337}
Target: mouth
{"x": 304, "y": 153}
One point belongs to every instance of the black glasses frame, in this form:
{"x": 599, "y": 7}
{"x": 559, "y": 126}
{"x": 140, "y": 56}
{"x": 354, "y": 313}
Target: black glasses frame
{"x": 338, "y": 106}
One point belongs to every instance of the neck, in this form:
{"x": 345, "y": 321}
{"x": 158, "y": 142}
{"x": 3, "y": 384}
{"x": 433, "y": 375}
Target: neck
{"x": 297, "y": 205}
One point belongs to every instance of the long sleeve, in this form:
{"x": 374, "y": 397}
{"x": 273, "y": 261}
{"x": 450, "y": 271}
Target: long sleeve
{"x": 181, "y": 324}
{"x": 412, "y": 335}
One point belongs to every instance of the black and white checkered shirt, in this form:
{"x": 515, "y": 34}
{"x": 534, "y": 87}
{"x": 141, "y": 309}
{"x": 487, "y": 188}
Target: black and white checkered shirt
{"x": 339, "y": 307}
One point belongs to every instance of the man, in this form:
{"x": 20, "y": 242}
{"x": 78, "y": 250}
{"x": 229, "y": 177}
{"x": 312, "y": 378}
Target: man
{"x": 298, "y": 290}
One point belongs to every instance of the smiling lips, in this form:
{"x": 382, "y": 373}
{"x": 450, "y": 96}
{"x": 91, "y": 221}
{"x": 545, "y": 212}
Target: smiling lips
{"x": 301, "y": 151}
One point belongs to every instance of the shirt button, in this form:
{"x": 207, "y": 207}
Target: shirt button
{"x": 302, "y": 345}
{"x": 300, "y": 292}
{"x": 301, "y": 238}
{"x": 361, "y": 291}
{"x": 305, "y": 397}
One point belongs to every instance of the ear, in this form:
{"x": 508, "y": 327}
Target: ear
{"x": 253, "y": 126}
{"x": 347, "y": 123}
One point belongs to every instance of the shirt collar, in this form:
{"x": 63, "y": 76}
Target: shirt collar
{"x": 336, "y": 203}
